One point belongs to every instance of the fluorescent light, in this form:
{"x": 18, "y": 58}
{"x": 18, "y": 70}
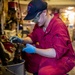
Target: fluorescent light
{"x": 70, "y": 8}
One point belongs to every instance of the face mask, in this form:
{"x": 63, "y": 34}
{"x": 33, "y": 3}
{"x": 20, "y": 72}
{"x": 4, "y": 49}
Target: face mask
{"x": 36, "y": 18}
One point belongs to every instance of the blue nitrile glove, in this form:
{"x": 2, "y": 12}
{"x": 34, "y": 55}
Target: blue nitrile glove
{"x": 15, "y": 39}
{"x": 29, "y": 48}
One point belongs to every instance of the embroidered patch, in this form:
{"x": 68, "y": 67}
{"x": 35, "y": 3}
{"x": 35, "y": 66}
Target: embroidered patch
{"x": 29, "y": 7}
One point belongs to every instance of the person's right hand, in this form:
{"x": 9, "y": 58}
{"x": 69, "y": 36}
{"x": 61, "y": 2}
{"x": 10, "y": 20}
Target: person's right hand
{"x": 15, "y": 39}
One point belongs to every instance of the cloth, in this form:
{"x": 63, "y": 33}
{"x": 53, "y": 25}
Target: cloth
{"x": 56, "y": 36}
{"x": 52, "y": 70}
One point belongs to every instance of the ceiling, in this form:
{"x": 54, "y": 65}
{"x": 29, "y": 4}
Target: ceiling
{"x": 53, "y": 3}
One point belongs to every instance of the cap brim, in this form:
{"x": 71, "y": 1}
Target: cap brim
{"x": 30, "y": 16}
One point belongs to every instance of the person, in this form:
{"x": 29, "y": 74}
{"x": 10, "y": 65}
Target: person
{"x": 48, "y": 49}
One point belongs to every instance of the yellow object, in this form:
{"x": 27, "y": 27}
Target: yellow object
{"x": 6, "y": 5}
{"x": 37, "y": 43}
{"x": 19, "y": 35}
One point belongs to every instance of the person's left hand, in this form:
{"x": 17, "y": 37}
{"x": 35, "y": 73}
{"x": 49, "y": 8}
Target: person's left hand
{"x": 29, "y": 48}
{"x": 15, "y": 39}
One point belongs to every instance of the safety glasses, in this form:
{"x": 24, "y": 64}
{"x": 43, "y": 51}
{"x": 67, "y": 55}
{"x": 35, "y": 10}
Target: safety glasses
{"x": 36, "y": 18}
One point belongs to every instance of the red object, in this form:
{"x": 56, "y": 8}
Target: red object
{"x": 8, "y": 46}
{"x": 12, "y": 5}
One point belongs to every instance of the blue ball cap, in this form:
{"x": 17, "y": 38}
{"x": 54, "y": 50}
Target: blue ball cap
{"x": 34, "y": 7}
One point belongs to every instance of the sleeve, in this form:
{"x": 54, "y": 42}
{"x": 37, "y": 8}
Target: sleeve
{"x": 33, "y": 35}
{"x": 60, "y": 41}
